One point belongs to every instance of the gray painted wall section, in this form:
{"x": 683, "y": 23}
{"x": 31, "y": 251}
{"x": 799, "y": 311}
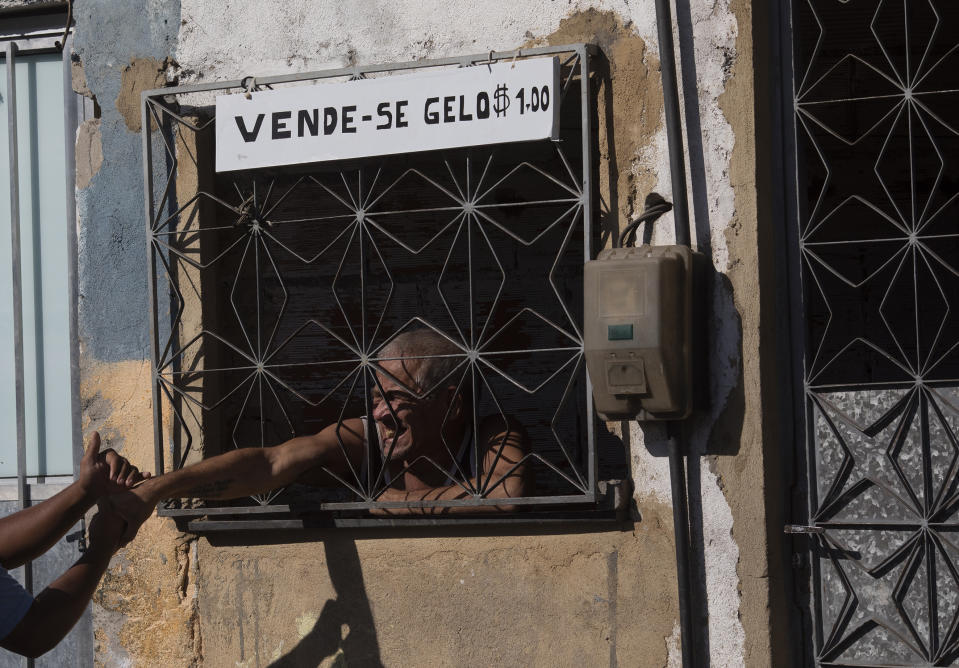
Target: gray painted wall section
{"x": 113, "y": 311}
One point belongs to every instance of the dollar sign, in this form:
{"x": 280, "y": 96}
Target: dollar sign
{"x": 501, "y": 100}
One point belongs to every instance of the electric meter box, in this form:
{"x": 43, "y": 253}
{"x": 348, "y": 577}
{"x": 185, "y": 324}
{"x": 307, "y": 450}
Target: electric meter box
{"x": 638, "y": 332}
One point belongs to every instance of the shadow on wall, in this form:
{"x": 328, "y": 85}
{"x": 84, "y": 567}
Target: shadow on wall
{"x": 344, "y": 634}
{"x": 712, "y": 435}
{"x": 715, "y": 429}
{"x": 607, "y": 210}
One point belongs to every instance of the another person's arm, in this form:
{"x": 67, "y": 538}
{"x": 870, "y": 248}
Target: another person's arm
{"x": 58, "y": 607}
{"x": 29, "y": 533}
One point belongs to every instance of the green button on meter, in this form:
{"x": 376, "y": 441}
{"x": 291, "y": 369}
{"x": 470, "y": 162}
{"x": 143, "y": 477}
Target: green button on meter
{"x": 620, "y": 332}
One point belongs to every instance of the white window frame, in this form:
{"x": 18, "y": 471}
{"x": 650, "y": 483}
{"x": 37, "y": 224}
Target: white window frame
{"x": 23, "y": 33}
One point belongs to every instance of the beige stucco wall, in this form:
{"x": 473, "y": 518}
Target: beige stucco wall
{"x": 575, "y": 596}
{"x": 439, "y": 600}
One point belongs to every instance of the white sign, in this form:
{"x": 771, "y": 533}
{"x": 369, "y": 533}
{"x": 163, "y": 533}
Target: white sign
{"x": 483, "y": 104}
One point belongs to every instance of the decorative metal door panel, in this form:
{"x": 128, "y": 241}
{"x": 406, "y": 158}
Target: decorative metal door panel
{"x": 876, "y": 88}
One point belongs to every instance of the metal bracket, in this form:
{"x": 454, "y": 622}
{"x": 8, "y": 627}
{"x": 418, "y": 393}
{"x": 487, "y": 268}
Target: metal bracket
{"x": 803, "y": 528}
{"x": 80, "y": 537}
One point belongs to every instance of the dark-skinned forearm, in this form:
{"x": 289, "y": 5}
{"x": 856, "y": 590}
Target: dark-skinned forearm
{"x": 31, "y": 532}
{"x": 58, "y": 607}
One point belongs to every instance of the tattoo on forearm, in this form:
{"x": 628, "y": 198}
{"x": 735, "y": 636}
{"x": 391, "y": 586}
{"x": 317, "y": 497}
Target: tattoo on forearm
{"x": 210, "y": 490}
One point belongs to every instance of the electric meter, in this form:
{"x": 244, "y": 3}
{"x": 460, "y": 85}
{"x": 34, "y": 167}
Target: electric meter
{"x": 638, "y": 332}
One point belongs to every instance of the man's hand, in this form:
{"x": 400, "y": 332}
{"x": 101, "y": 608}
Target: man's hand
{"x": 133, "y": 506}
{"x": 108, "y": 531}
{"x": 105, "y": 472}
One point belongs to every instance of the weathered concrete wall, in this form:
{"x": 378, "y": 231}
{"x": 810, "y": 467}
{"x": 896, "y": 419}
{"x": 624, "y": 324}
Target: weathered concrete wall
{"x": 144, "y": 612}
{"x": 120, "y": 46}
{"x": 522, "y": 600}
{"x": 25, "y": 4}
{"x": 423, "y": 598}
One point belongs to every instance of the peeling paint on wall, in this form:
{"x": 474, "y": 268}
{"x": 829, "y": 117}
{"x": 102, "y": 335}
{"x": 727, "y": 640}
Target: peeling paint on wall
{"x": 140, "y": 75}
{"x": 337, "y": 597}
{"x": 674, "y": 651}
{"x": 145, "y": 608}
{"x": 89, "y": 152}
{"x": 79, "y": 77}
{"x": 112, "y": 239}
{"x": 631, "y": 110}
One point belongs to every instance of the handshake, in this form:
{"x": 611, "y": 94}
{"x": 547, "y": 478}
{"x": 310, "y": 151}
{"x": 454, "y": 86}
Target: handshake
{"x": 31, "y": 625}
{"x": 108, "y": 479}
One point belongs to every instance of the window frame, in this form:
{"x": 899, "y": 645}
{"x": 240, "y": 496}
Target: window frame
{"x": 31, "y": 31}
{"x": 603, "y": 498}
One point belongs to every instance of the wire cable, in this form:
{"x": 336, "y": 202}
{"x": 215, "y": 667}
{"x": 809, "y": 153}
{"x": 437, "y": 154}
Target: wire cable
{"x": 654, "y": 207}
{"x": 66, "y": 29}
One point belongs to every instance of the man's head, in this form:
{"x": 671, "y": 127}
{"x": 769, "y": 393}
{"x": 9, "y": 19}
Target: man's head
{"x": 420, "y": 393}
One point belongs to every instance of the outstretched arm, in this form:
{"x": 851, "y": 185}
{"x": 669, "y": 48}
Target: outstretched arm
{"x": 31, "y": 532}
{"x": 58, "y": 607}
{"x": 244, "y": 472}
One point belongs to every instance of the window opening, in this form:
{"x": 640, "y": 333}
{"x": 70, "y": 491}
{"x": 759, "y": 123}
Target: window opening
{"x": 279, "y": 296}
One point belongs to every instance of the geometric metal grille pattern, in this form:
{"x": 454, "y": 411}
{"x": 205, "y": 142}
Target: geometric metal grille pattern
{"x": 275, "y": 290}
{"x": 876, "y": 95}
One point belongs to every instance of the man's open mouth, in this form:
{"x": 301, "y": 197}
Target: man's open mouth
{"x": 390, "y": 433}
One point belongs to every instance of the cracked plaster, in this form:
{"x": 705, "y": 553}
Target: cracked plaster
{"x": 232, "y": 39}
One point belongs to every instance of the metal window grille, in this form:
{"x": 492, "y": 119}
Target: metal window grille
{"x": 878, "y": 242}
{"x": 273, "y": 291}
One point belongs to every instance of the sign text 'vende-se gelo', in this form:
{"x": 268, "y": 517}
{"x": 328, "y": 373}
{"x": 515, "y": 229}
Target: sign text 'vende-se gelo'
{"x": 484, "y": 104}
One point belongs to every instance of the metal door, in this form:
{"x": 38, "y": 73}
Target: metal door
{"x": 876, "y": 252}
